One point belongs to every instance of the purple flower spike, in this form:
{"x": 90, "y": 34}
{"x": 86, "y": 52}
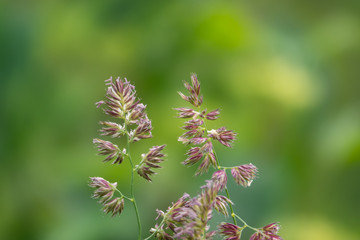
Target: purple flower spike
{"x": 221, "y": 204}
{"x": 225, "y": 137}
{"x": 207, "y": 147}
{"x": 120, "y": 97}
{"x": 137, "y": 113}
{"x": 104, "y": 189}
{"x": 107, "y": 148}
{"x": 142, "y": 131}
{"x": 194, "y": 89}
{"x": 198, "y": 140}
{"x": 194, "y": 130}
{"x": 272, "y": 227}
{"x": 221, "y": 178}
{"x": 185, "y": 112}
{"x": 244, "y": 174}
{"x": 114, "y": 206}
{"x": 193, "y": 124}
{"x": 194, "y": 155}
{"x": 145, "y": 172}
{"x": 151, "y": 160}
{"x": 112, "y": 129}
{"x": 121, "y": 102}
{"x": 188, "y": 218}
{"x": 204, "y": 166}
{"x": 230, "y": 231}
{"x": 213, "y": 115}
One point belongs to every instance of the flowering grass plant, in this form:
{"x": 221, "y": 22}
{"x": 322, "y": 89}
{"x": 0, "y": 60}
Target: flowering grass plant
{"x": 188, "y": 217}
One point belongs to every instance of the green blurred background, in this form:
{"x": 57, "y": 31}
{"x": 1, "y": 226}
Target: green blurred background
{"x": 284, "y": 73}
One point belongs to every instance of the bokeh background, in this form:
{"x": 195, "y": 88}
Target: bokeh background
{"x": 284, "y": 73}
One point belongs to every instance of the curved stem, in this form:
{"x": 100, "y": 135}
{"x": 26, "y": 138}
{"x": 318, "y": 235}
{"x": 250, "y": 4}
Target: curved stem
{"x": 132, "y": 184}
{"x": 248, "y": 226}
{"x": 122, "y": 195}
{"x": 138, "y": 218}
{"x": 242, "y": 220}
{"x": 230, "y": 205}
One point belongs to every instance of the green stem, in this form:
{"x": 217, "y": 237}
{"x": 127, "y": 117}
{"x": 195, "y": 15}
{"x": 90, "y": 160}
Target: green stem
{"x": 230, "y": 205}
{"x": 224, "y": 168}
{"x": 247, "y": 225}
{"x": 132, "y": 184}
{"x": 122, "y": 195}
{"x": 241, "y": 220}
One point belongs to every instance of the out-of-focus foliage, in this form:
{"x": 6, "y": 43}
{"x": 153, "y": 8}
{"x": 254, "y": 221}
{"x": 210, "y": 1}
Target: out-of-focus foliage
{"x": 284, "y": 73}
